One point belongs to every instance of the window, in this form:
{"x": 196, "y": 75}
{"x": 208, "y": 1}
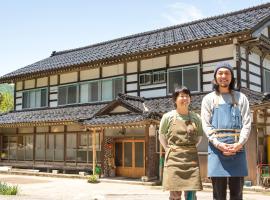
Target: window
{"x": 25, "y": 147}
{"x": 71, "y": 147}
{"x": 152, "y": 77}
{"x": 68, "y": 94}
{"x": 90, "y": 92}
{"x": 111, "y": 88}
{"x": 117, "y": 86}
{"x": 145, "y": 79}
{"x": 266, "y": 80}
{"x": 40, "y": 147}
{"x": 107, "y": 90}
{"x": 54, "y": 147}
{"x": 35, "y": 98}
{"x": 188, "y": 77}
{"x": 159, "y": 77}
{"x": 85, "y": 153}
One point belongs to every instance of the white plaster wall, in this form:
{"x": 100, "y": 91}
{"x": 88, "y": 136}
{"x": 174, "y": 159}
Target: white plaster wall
{"x": 255, "y": 58}
{"x": 132, "y": 93}
{"x": 184, "y": 58}
{"x": 255, "y": 88}
{"x": 153, "y": 86}
{"x": 132, "y": 77}
{"x": 254, "y": 69}
{"x": 207, "y": 87}
{"x": 255, "y": 79}
{"x": 220, "y": 52}
{"x": 53, "y": 104}
{"x": 153, "y": 93}
{"x": 131, "y": 86}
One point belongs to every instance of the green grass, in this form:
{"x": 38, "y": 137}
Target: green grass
{"x": 6, "y": 189}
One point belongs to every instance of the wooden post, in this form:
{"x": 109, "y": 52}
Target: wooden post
{"x": 146, "y": 172}
{"x": 94, "y": 150}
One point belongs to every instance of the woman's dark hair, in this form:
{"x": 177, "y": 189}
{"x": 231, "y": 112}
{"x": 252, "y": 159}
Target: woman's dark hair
{"x": 216, "y": 87}
{"x": 179, "y": 90}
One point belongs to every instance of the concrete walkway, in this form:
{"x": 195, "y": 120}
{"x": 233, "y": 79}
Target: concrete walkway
{"x": 51, "y": 188}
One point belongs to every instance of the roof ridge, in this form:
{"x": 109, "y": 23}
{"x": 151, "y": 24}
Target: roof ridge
{"x": 265, "y": 5}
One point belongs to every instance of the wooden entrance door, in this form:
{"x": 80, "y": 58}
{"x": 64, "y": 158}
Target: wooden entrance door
{"x": 129, "y": 158}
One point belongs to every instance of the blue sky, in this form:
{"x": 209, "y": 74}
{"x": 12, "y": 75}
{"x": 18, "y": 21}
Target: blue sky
{"x": 30, "y": 30}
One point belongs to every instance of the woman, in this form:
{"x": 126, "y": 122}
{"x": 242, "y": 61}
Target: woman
{"x": 180, "y": 131}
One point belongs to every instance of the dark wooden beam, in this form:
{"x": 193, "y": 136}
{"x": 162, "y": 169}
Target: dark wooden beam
{"x": 238, "y": 66}
{"x": 201, "y": 68}
{"x": 34, "y": 145}
{"x": 125, "y": 77}
{"x": 146, "y": 133}
{"x": 48, "y": 92}
{"x": 65, "y": 144}
{"x": 138, "y": 77}
{"x": 247, "y": 66}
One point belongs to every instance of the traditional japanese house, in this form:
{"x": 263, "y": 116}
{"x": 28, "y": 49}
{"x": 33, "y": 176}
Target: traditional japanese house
{"x": 100, "y": 105}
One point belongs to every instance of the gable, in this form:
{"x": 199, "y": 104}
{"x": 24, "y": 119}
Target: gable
{"x": 262, "y": 28}
{"x": 120, "y": 109}
{"x": 118, "y": 106}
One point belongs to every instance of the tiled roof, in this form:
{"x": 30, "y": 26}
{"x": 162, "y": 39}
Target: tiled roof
{"x": 134, "y": 101}
{"x": 73, "y": 113}
{"x": 87, "y": 113}
{"x": 165, "y": 104}
{"x": 234, "y": 22}
{"x": 121, "y": 118}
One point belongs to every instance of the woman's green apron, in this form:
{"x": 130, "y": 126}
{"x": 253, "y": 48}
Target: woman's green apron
{"x": 181, "y": 166}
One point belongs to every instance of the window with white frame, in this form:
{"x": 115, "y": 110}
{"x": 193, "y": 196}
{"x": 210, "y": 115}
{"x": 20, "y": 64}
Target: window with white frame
{"x": 36, "y": 98}
{"x": 68, "y": 94}
{"x": 184, "y": 76}
{"x": 159, "y": 77}
{"x": 152, "y": 78}
{"x": 145, "y": 79}
{"x": 266, "y": 80}
{"x": 111, "y": 87}
{"x": 90, "y": 92}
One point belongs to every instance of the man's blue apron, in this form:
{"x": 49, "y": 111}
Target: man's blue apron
{"x": 226, "y": 116}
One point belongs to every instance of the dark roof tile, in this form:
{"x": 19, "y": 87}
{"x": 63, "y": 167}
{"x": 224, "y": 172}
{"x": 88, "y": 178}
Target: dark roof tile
{"x": 72, "y": 113}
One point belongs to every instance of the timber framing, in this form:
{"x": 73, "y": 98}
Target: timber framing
{"x": 174, "y": 49}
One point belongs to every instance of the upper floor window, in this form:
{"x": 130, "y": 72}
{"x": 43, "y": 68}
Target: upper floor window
{"x": 159, "y": 77}
{"x": 266, "y": 80}
{"x": 68, "y": 94}
{"x": 110, "y": 88}
{"x": 36, "y": 98}
{"x": 145, "y": 79}
{"x": 184, "y": 76}
{"x": 152, "y": 77}
{"x": 90, "y": 92}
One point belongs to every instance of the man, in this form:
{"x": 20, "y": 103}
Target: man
{"x": 226, "y": 122}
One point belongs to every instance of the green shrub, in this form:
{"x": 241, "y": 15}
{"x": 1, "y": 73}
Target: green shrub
{"x": 7, "y": 189}
{"x": 93, "y": 179}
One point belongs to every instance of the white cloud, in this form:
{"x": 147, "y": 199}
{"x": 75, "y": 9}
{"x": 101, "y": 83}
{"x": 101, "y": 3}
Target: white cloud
{"x": 182, "y": 12}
